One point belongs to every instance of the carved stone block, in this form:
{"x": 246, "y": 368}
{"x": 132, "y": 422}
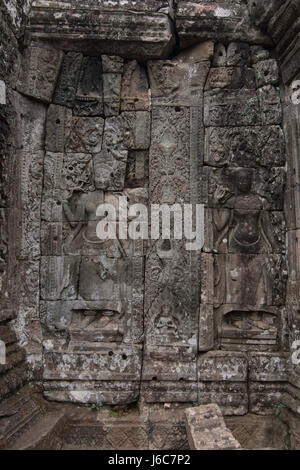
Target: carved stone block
{"x": 259, "y": 53}
{"x": 220, "y": 55}
{"x": 51, "y": 239}
{"x": 245, "y": 328}
{"x": 232, "y": 397}
{"x": 39, "y": 72}
{"x": 221, "y": 366}
{"x": 105, "y": 362}
{"x": 78, "y": 172}
{"x": 206, "y": 328}
{"x": 169, "y": 171}
{"x": 169, "y": 391}
{"x": 170, "y": 371}
{"x": 270, "y": 105}
{"x": 266, "y": 73}
{"x": 85, "y": 135}
{"x": 51, "y": 208}
{"x": 109, "y": 392}
{"x": 112, "y": 64}
{"x": 206, "y": 429}
{"x": 66, "y": 87}
{"x": 231, "y": 78}
{"x": 231, "y": 108}
{"x": 131, "y": 130}
{"x": 265, "y": 396}
{"x": 224, "y": 231}
{"x": 59, "y": 277}
{"x": 58, "y": 119}
{"x": 231, "y": 187}
{"x": 53, "y": 168}
{"x": 167, "y": 429}
{"x": 293, "y": 241}
{"x": 238, "y": 53}
{"x": 111, "y": 93}
{"x": 207, "y": 279}
{"x": 135, "y": 88}
{"x": 31, "y": 192}
{"x": 250, "y": 279}
{"x": 245, "y": 146}
{"x": 89, "y": 95}
{"x": 197, "y": 21}
{"x": 137, "y": 169}
{"x": 175, "y": 83}
{"x": 56, "y": 317}
{"x": 268, "y": 367}
{"x": 108, "y": 27}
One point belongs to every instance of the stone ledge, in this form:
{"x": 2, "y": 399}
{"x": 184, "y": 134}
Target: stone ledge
{"x": 142, "y": 31}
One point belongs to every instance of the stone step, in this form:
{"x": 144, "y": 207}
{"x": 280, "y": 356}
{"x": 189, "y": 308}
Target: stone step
{"x": 45, "y": 434}
{"x": 17, "y": 414}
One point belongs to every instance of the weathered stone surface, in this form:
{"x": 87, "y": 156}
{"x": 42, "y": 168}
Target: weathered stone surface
{"x": 232, "y": 397}
{"x": 268, "y": 367}
{"x": 256, "y": 432}
{"x": 58, "y": 119}
{"x": 231, "y": 187}
{"x": 78, "y": 361}
{"x": 130, "y": 130}
{"x": 231, "y": 78}
{"x": 164, "y": 391}
{"x": 264, "y": 397}
{"x": 112, "y": 64}
{"x": 270, "y": 105}
{"x": 224, "y": 234}
{"x": 250, "y": 279}
{"x": 219, "y": 366}
{"x": 259, "y": 53}
{"x": 206, "y": 328}
{"x": 104, "y": 338}
{"x": 66, "y": 87}
{"x": 107, "y": 27}
{"x": 228, "y": 108}
{"x": 261, "y": 12}
{"x": 245, "y": 146}
{"x": 39, "y": 72}
{"x": 111, "y": 93}
{"x": 84, "y": 135}
{"x": 135, "y": 94}
{"x": 89, "y": 95}
{"x": 110, "y": 392}
{"x": 167, "y": 429}
{"x": 177, "y": 83}
{"x": 266, "y": 72}
{"x": 206, "y": 429}
{"x": 197, "y": 20}
{"x": 137, "y": 168}
{"x": 245, "y": 328}
{"x": 17, "y": 413}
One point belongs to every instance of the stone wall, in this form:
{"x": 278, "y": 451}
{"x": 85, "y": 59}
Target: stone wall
{"x": 172, "y": 103}
{"x": 12, "y": 369}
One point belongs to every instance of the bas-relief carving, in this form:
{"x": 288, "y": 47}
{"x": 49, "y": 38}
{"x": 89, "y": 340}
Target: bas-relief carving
{"x": 175, "y": 83}
{"x": 39, "y": 72}
{"x": 89, "y": 95}
{"x": 232, "y": 108}
{"x": 223, "y": 185}
{"x": 245, "y": 146}
{"x": 92, "y": 291}
{"x": 135, "y": 88}
{"x": 66, "y": 87}
{"x": 245, "y": 227}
